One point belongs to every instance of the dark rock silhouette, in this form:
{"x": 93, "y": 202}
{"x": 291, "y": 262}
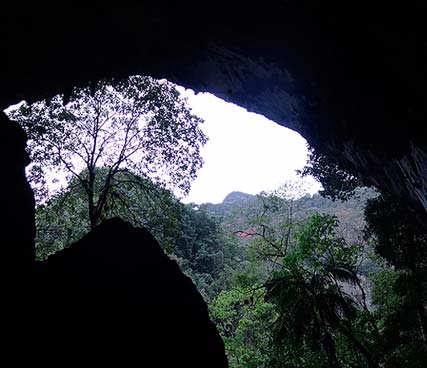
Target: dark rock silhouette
{"x": 16, "y": 200}
{"x": 115, "y": 297}
{"x": 17, "y": 231}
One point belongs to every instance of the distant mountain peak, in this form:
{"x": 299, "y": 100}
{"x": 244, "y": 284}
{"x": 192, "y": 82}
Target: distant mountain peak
{"x": 236, "y": 197}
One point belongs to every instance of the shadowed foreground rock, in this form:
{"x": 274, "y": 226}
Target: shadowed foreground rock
{"x": 114, "y": 297}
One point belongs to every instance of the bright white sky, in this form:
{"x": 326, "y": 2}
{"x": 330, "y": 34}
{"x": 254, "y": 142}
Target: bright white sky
{"x": 246, "y": 152}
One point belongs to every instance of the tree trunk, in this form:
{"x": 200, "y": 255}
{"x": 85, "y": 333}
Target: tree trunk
{"x": 329, "y": 348}
{"x": 359, "y": 346}
{"x": 91, "y": 204}
{"x": 422, "y": 323}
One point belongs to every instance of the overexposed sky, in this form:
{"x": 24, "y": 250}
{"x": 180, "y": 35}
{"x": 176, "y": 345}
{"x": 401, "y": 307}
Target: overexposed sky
{"x": 246, "y": 152}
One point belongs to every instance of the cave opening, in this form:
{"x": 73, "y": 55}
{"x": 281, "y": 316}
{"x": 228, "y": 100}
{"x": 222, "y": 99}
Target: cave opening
{"x": 233, "y": 235}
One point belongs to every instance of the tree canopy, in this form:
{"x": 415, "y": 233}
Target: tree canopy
{"x": 138, "y": 124}
{"x": 337, "y": 182}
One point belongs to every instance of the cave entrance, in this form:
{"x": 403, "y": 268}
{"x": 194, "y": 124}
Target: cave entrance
{"x": 228, "y": 240}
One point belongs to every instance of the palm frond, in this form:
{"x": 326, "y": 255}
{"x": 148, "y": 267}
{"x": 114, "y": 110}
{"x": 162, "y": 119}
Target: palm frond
{"x": 344, "y": 274}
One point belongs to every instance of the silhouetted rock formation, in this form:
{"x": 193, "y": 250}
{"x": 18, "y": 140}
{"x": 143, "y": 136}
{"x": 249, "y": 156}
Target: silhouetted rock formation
{"x": 16, "y": 197}
{"x": 115, "y": 297}
{"x": 17, "y": 231}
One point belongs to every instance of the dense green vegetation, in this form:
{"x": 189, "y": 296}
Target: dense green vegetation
{"x": 397, "y": 235}
{"x": 303, "y": 279}
{"x": 334, "y": 284}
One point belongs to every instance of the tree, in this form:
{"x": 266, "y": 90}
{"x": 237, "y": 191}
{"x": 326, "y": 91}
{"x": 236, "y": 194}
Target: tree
{"x": 245, "y": 320}
{"x": 137, "y": 126}
{"x": 400, "y": 286}
{"x": 200, "y": 247}
{"x": 310, "y": 272}
{"x": 337, "y": 182}
{"x": 271, "y": 221}
{"x": 63, "y": 219}
{"x": 315, "y": 311}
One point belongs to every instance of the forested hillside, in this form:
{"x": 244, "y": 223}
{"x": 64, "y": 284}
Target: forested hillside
{"x": 307, "y": 237}
{"x": 349, "y": 210}
{"x": 236, "y": 210}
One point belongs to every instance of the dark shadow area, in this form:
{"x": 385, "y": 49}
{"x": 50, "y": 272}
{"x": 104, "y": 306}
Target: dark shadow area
{"x": 115, "y": 298}
{"x": 17, "y": 201}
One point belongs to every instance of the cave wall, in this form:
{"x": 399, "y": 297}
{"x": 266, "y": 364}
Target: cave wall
{"x": 17, "y": 200}
{"x": 349, "y": 77}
